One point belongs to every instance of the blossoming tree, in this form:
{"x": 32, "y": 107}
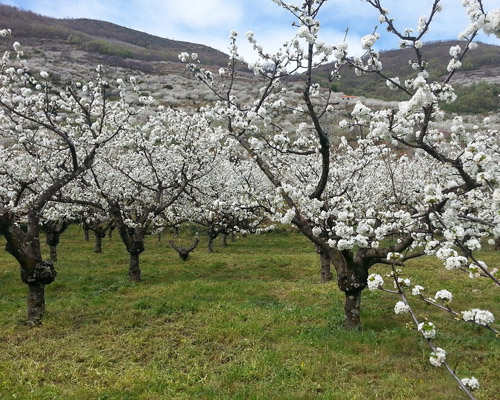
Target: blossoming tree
{"x": 363, "y": 203}
{"x": 146, "y": 170}
{"x": 49, "y": 137}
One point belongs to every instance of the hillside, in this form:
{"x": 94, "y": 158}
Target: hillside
{"x": 73, "y": 47}
{"x": 101, "y": 37}
{"x": 477, "y": 82}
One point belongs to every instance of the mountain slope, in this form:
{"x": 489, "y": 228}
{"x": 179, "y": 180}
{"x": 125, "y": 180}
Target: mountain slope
{"x": 480, "y": 73}
{"x": 73, "y": 47}
{"x": 101, "y": 37}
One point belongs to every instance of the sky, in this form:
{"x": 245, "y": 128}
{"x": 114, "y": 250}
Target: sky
{"x": 210, "y": 22}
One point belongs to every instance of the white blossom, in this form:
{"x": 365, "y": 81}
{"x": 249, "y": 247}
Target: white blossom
{"x": 437, "y": 357}
{"x": 375, "y": 281}
{"x": 401, "y": 308}
{"x": 482, "y": 317}
{"x": 427, "y": 329}
{"x": 444, "y": 295}
{"x": 471, "y": 383}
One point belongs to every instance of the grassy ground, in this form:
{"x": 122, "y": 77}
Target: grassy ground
{"x": 251, "y": 321}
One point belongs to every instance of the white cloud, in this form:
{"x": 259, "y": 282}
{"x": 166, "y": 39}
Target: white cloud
{"x": 210, "y": 21}
{"x": 192, "y": 14}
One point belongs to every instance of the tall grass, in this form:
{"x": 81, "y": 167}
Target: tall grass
{"x": 251, "y": 321}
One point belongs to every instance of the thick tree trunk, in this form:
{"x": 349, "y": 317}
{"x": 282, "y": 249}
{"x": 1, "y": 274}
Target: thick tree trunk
{"x": 352, "y": 279}
{"x": 134, "y": 270}
{"x": 326, "y": 273}
{"x": 24, "y": 244}
{"x": 352, "y": 310}
{"x": 86, "y": 233}
{"x": 224, "y": 240}
{"x": 98, "y": 244}
{"x": 36, "y": 303}
{"x": 53, "y": 253}
{"x": 133, "y": 239}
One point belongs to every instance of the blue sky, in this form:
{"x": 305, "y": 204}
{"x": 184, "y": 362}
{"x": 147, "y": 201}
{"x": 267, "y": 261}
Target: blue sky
{"x": 210, "y": 21}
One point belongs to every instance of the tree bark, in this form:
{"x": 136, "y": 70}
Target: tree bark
{"x": 210, "y": 245}
{"x": 224, "y": 240}
{"x": 53, "y": 252}
{"x": 233, "y": 237}
{"x": 23, "y": 242}
{"x": 36, "y": 303}
{"x": 86, "y": 233}
{"x": 134, "y": 270}
{"x": 352, "y": 310}
{"x": 182, "y": 251}
{"x": 352, "y": 278}
{"x": 98, "y": 244}
{"x": 53, "y": 231}
{"x": 326, "y": 273}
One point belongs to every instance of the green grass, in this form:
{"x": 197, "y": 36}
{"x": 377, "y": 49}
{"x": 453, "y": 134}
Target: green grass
{"x": 251, "y": 321}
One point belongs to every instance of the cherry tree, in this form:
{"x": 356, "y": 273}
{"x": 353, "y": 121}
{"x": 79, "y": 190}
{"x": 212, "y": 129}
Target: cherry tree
{"x": 224, "y": 201}
{"x": 56, "y": 218}
{"x": 145, "y": 171}
{"x": 299, "y": 160}
{"x": 362, "y": 203}
{"x": 49, "y": 137}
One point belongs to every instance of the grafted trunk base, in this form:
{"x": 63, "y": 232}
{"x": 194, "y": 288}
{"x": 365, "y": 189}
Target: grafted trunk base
{"x": 98, "y": 244}
{"x": 134, "y": 270}
{"x": 36, "y": 303}
{"x": 352, "y": 310}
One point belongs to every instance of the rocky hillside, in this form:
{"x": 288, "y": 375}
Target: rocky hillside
{"x": 71, "y": 48}
{"x": 477, "y": 82}
{"x": 100, "y": 38}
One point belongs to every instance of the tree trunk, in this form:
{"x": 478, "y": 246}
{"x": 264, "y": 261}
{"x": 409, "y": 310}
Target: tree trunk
{"x": 53, "y": 234}
{"x": 326, "y": 273}
{"x": 497, "y": 244}
{"x": 233, "y": 237}
{"x": 53, "y": 253}
{"x": 36, "y": 303}
{"x": 86, "y": 233}
{"x": 210, "y": 245}
{"x": 98, "y": 244}
{"x": 352, "y": 310}
{"x": 224, "y": 240}
{"x": 352, "y": 278}
{"x": 158, "y": 236}
{"x": 134, "y": 270}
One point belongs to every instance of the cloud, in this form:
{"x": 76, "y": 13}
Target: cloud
{"x": 192, "y": 14}
{"x": 210, "y": 21}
